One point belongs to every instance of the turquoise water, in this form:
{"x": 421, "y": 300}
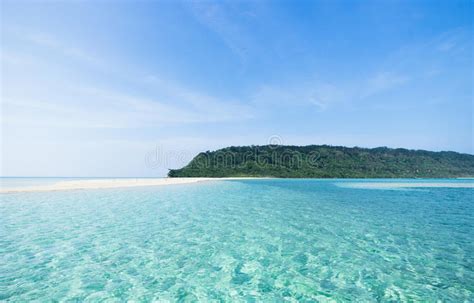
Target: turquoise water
{"x": 253, "y": 240}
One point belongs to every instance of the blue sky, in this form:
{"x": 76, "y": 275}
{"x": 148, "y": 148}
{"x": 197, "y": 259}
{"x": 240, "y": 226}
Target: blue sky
{"x": 131, "y": 88}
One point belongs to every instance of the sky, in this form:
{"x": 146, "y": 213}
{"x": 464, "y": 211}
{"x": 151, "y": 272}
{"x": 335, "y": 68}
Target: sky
{"x": 133, "y": 88}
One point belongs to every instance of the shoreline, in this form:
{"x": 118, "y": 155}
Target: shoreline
{"x": 109, "y": 183}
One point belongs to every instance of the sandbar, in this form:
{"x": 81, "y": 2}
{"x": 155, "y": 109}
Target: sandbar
{"x": 106, "y": 183}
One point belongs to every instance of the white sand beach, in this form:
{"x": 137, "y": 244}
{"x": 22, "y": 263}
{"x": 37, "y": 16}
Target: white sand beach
{"x": 106, "y": 183}
{"x": 135, "y": 182}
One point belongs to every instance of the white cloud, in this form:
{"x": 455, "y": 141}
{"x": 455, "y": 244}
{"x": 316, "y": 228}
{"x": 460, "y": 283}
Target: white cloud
{"x": 452, "y": 41}
{"x": 218, "y": 109}
{"x": 87, "y": 107}
{"x": 382, "y": 82}
{"x": 219, "y": 17}
{"x": 49, "y": 41}
{"x": 325, "y": 95}
{"x": 52, "y": 100}
{"x": 319, "y": 94}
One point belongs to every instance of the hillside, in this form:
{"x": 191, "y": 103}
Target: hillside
{"x": 323, "y": 161}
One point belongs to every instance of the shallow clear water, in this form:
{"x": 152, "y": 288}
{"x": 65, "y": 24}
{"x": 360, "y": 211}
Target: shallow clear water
{"x": 253, "y": 240}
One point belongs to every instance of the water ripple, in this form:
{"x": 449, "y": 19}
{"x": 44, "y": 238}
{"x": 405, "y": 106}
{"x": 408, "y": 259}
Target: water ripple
{"x": 259, "y": 240}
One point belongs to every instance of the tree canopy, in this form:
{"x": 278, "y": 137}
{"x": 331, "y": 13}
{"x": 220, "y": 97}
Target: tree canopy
{"x": 324, "y": 161}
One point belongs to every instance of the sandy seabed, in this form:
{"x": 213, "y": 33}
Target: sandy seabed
{"x": 390, "y": 185}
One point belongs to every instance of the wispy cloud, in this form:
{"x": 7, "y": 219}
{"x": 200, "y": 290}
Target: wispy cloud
{"x": 219, "y": 17}
{"x": 217, "y": 109}
{"x": 319, "y": 94}
{"x": 89, "y": 105}
{"x": 381, "y": 82}
{"x": 53, "y": 43}
{"x": 324, "y": 95}
{"x": 400, "y": 69}
{"x": 452, "y": 41}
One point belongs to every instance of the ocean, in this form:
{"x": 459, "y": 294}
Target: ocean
{"x": 241, "y": 240}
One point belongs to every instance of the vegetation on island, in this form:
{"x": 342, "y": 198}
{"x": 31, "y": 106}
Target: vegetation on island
{"x": 324, "y": 161}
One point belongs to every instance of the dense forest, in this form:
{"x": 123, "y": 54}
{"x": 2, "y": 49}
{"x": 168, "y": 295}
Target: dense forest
{"x": 323, "y": 161}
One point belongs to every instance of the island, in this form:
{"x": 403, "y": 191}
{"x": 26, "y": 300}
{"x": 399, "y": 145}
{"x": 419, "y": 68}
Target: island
{"x": 325, "y": 161}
